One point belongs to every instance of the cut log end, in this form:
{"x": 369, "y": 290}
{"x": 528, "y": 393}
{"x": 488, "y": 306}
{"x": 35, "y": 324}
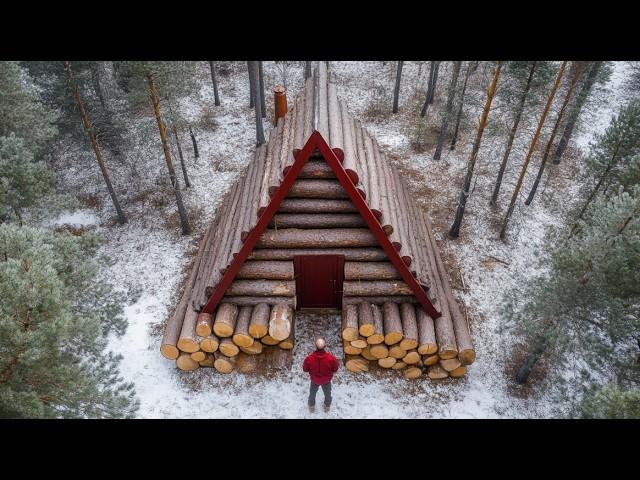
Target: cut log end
{"x": 170, "y": 351}
{"x": 186, "y": 363}
{"x": 411, "y": 373}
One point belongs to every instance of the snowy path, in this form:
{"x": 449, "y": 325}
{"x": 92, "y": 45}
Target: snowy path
{"x": 151, "y": 259}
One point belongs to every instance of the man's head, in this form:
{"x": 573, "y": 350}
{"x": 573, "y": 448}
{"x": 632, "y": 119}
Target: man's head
{"x": 320, "y": 344}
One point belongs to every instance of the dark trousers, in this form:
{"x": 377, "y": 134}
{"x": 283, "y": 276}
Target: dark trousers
{"x": 326, "y": 389}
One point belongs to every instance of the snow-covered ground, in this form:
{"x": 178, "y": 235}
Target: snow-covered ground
{"x": 150, "y": 257}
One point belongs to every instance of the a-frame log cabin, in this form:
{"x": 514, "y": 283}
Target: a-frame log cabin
{"x": 320, "y": 218}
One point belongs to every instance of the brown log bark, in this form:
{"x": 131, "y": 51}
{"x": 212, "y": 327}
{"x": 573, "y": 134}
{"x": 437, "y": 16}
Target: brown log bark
{"x": 280, "y": 322}
{"x": 224, "y": 364}
{"x": 250, "y": 300}
{"x": 314, "y": 169}
{"x": 436, "y": 372}
{"x": 198, "y": 356}
{"x": 228, "y": 348}
{"x": 366, "y": 353}
{"x": 412, "y": 373}
{"x": 450, "y": 364}
{"x": 429, "y": 360}
{"x": 365, "y": 320}
{"x": 186, "y": 363}
{"x": 411, "y": 357}
{"x": 370, "y": 271}
{"x": 350, "y": 349}
{"x": 317, "y": 220}
{"x": 188, "y": 341}
{"x": 409, "y": 326}
{"x": 262, "y": 288}
{"x": 356, "y": 364}
{"x": 427, "y": 344}
{"x": 317, "y": 238}
{"x": 387, "y": 362}
{"x": 208, "y": 361}
{"x": 254, "y": 349}
{"x": 259, "y": 323}
{"x": 266, "y": 270}
{"x": 350, "y": 254}
{"x": 378, "y": 335}
{"x": 241, "y": 335}
{"x": 350, "y": 323}
{"x": 289, "y": 342}
{"x": 246, "y": 363}
{"x": 392, "y": 324}
{"x": 380, "y": 300}
{"x": 310, "y": 205}
{"x": 209, "y": 344}
{"x": 379, "y": 351}
{"x": 458, "y": 372}
{"x": 396, "y": 351}
{"x": 372, "y": 288}
{"x": 360, "y": 342}
{"x": 204, "y": 323}
{"x": 269, "y": 340}
{"x": 225, "y": 321}
{"x": 399, "y": 365}
{"x": 326, "y": 189}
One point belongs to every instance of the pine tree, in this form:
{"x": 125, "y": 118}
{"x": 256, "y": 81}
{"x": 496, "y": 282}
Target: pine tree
{"x": 611, "y": 401}
{"x": 255, "y": 93}
{"x": 55, "y": 317}
{"x": 460, "y": 107}
{"x": 263, "y": 106}
{"x": 396, "y": 90}
{"x": 431, "y": 87}
{"x": 448, "y": 110}
{"x": 215, "y": 85}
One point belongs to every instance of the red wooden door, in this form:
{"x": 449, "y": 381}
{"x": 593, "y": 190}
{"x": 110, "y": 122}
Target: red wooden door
{"x": 319, "y": 280}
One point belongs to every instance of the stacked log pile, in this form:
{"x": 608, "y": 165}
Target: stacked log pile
{"x": 399, "y": 337}
{"x": 224, "y": 340}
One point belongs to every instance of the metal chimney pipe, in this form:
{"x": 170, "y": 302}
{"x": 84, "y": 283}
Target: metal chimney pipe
{"x": 280, "y": 101}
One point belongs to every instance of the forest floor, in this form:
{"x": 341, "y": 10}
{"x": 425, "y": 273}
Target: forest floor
{"x": 149, "y": 257}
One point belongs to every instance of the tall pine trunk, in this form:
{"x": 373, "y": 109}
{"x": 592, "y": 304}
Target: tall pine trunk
{"x": 153, "y": 94}
{"x": 459, "y": 114}
{"x": 182, "y": 164}
{"x": 251, "y": 87}
{"x": 545, "y": 156}
{"x": 433, "y": 75}
{"x": 94, "y": 142}
{"x": 263, "y": 107}
{"x": 215, "y": 84}
{"x": 396, "y": 90}
{"x": 307, "y": 70}
{"x": 97, "y": 86}
{"x": 196, "y": 153}
{"x": 532, "y": 147}
{"x": 574, "y": 113}
{"x": 534, "y": 354}
{"x": 254, "y": 81}
{"x": 447, "y": 114}
{"x": 512, "y": 134}
{"x": 454, "y": 231}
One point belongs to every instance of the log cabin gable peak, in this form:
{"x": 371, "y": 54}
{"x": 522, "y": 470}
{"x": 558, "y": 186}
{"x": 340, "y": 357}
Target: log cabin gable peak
{"x": 316, "y": 143}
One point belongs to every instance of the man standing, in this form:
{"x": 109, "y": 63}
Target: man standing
{"x": 321, "y": 366}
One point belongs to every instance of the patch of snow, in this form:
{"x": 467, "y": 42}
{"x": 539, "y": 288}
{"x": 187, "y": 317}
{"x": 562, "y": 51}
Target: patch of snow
{"x": 78, "y": 218}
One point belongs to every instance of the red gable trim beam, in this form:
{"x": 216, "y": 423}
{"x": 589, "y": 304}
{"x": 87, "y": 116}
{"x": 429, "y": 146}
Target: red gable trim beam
{"x": 317, "y": 141}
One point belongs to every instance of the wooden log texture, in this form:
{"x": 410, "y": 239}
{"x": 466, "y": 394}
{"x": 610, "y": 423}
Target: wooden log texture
{"x": 326, "y": 189}
{"x": 204, "y": 324}
{"x": 186, "y": 363}
{"x": 188, "y": 341}
{"x": 315, "y": 205}
{"x": 436, "y": 372}
{"x": 411, "y": 373}
{"x": 259, "y": 322}
{"x": 317, "y": 220}
{"x": 409, "y": 326}
{"x": 458, "y": 372}
{"x": 228, "y": 348}
{"x": 356, "y": 364}
{"x": 366, "y": 353}
{"x": 372, "y": 288}
{"x": 399, "y": 365}
{"x": 381, "y": 300}
{"x": 315, "y": 169}
{"x": 370, "y": 271}
{"x": 225, "y": 321}
{"x": 396, "y": 351}
{"x": 224, "y": 364}
{"x": 317, "y": 238}
{"x": 387, "y": 362}
{"x": 378, "y": 322}
{"x": 269, "y": 340}
{"x": 350, "y": 254}
{"x": 392, "y": 323}
{"x": 267, "y": 270}
{"x": 411, "y": 357}
{"x": 350, "y": 322}
{"x": 262, "y": 288}
{"x": 241, "y": 335}
{"x": 360, "y": 342}
{"x": 208, "y": 361}
{"x": 246, "y": 363}
{"x": 350, "y": 349}
{"x": 428, "y": 360}
{"x": 254, "y": 349}
{"x": 280, "y": 322}
{"x": 251, "y": 300}
{"x": 379, "y": 351}
{"x": 365, "y": 320}
{"x": 209, "y": 344}
{"x": 450, "y": 364}
{"x": 198, "y": 356}
{"x": 427, "y": 344}
{"x": 289, "y": 342}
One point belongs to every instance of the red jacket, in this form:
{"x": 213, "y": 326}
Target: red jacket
{"x": 321, "y": 366}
